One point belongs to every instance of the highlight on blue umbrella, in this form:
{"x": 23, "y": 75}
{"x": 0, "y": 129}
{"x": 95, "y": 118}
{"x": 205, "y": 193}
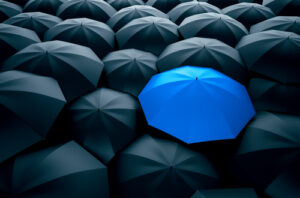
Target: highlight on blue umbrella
{"x": 196, "y": 104}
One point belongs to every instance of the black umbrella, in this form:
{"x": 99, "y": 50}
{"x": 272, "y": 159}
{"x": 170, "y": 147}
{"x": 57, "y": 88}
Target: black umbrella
{"x": 129, "y": 70}
{"x": 29, "y": 104}
{"x": 225, "y": 3}
{"x": 249, "y": 13}
{"x": 125, "y": 15}
{"x": 165, "y": 5}
{"x": 283, "y": 23}
{"x": 8, "y": 10}
{"x": 226, "y": 193}
{"x": 287, "y": 183}
{"x": 104, "y": 121}
{"x": 271, "y": 141}
{"x": 60, "y": 171}
{"x": 46, "y": 6}
{"x": 94, "y": 34}
{"x": 273, "y": 96}
{"x": 150, "y": 34}
{"x": 13, "y": 39}
{"x": 119, "y": 4}
{"x": 37, "y": 21}
{"x": 19, "y": 2}
{"x": 152, "y": 167}
{"x": 184, "y": 10}
{"x": 76, "y": 68}
{"x": 285, "y": 8}
{"x": 213, "y": 25}
{"x": 203, "y": 52}
{"x": 94, "y": 9}
{"x": 272, "y": 53}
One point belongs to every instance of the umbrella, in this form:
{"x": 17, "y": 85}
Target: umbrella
{"x": 19, "y": 2}
{"x": 13, "y": 39}
{"x": 285, "y": 8}
{"x": 65, "y": 170}
{"x": 29, "y": 104}
{"x": 8, "y": 10}
{"x": 96, "y": 35}
{"x": 287, "y": 183}
{"x": 272, "y": 53}
{"x": 203, "y": 52}
{"x": 249, "y": 13}
{"x": 76, "y": 68}
{"x": 129, "y": 70}
{"x": 150, "y": 34}
{"x": 283, "y": 23}
{"x": 226, "y": 193}
{"x": 104, "y": 121}
{"x": 196, "y": 104}
{"x": 94, "y": 9}
{"x": 46, "y": 6}
{"x": 272, "y": 96}
{"x": 152, "y": 167}
{"x": 125, "y": 15}
{"x": 119, "y": 4}
{"x": 165, "y": 5}
{"x": 213, "y": 25}
{"x": 184, "y": 10}
{"x": 270, "y": 142}
{"x": 37, "y": 21}
{"x": 225, "y": 3}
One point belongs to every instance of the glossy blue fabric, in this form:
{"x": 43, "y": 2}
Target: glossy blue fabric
{"x": 196, "y": 104}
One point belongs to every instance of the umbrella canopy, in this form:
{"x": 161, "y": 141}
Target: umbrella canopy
{"x": 104, "y": 121}
{"x": 287, "y": 183}
{"x": 29, "y": 104}
{"x": 119, "y": 4}
{"x": 184, "y": 10}
{"x": 37, "y": 21}
{"x": 129, "y": 70}
{"x": 96, "y": 35}
{"x": 13, "y": 39}
{"x": 152, "y": 167}
{"x": 65, "y": 170}
{"x": 165, "y": 5}
{"x": 285, "y": 8}
{"x": 159, "y": 32}
{"x": 272, "y": 96}
{"x": 19, "y": 2}
{"x": 46, "y": 6}
{"x": 8, "y": 10}
{"x": 226, "y": 193}
{"x": 76, "y": 68}
{"x": 272, "y": 53}
{"x": 184, "y": 102}
{"x": 271, "y": 141}
{"x": 126, "y": 15}
{"x": 213, "y": 25}
{"x": 225, "y": 3}
{"x": 98, "y": 10}
{"x": 249, "y": 13}
{"x": 203, "y": 52}
{"x": 283, "y": 23}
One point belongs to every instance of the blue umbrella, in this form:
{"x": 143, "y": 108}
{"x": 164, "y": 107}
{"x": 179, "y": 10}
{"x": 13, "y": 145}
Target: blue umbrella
{"x": 196, "y": 104}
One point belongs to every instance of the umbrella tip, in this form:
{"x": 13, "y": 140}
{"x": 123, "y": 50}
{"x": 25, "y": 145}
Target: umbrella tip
{"x": 196, "y": 77}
